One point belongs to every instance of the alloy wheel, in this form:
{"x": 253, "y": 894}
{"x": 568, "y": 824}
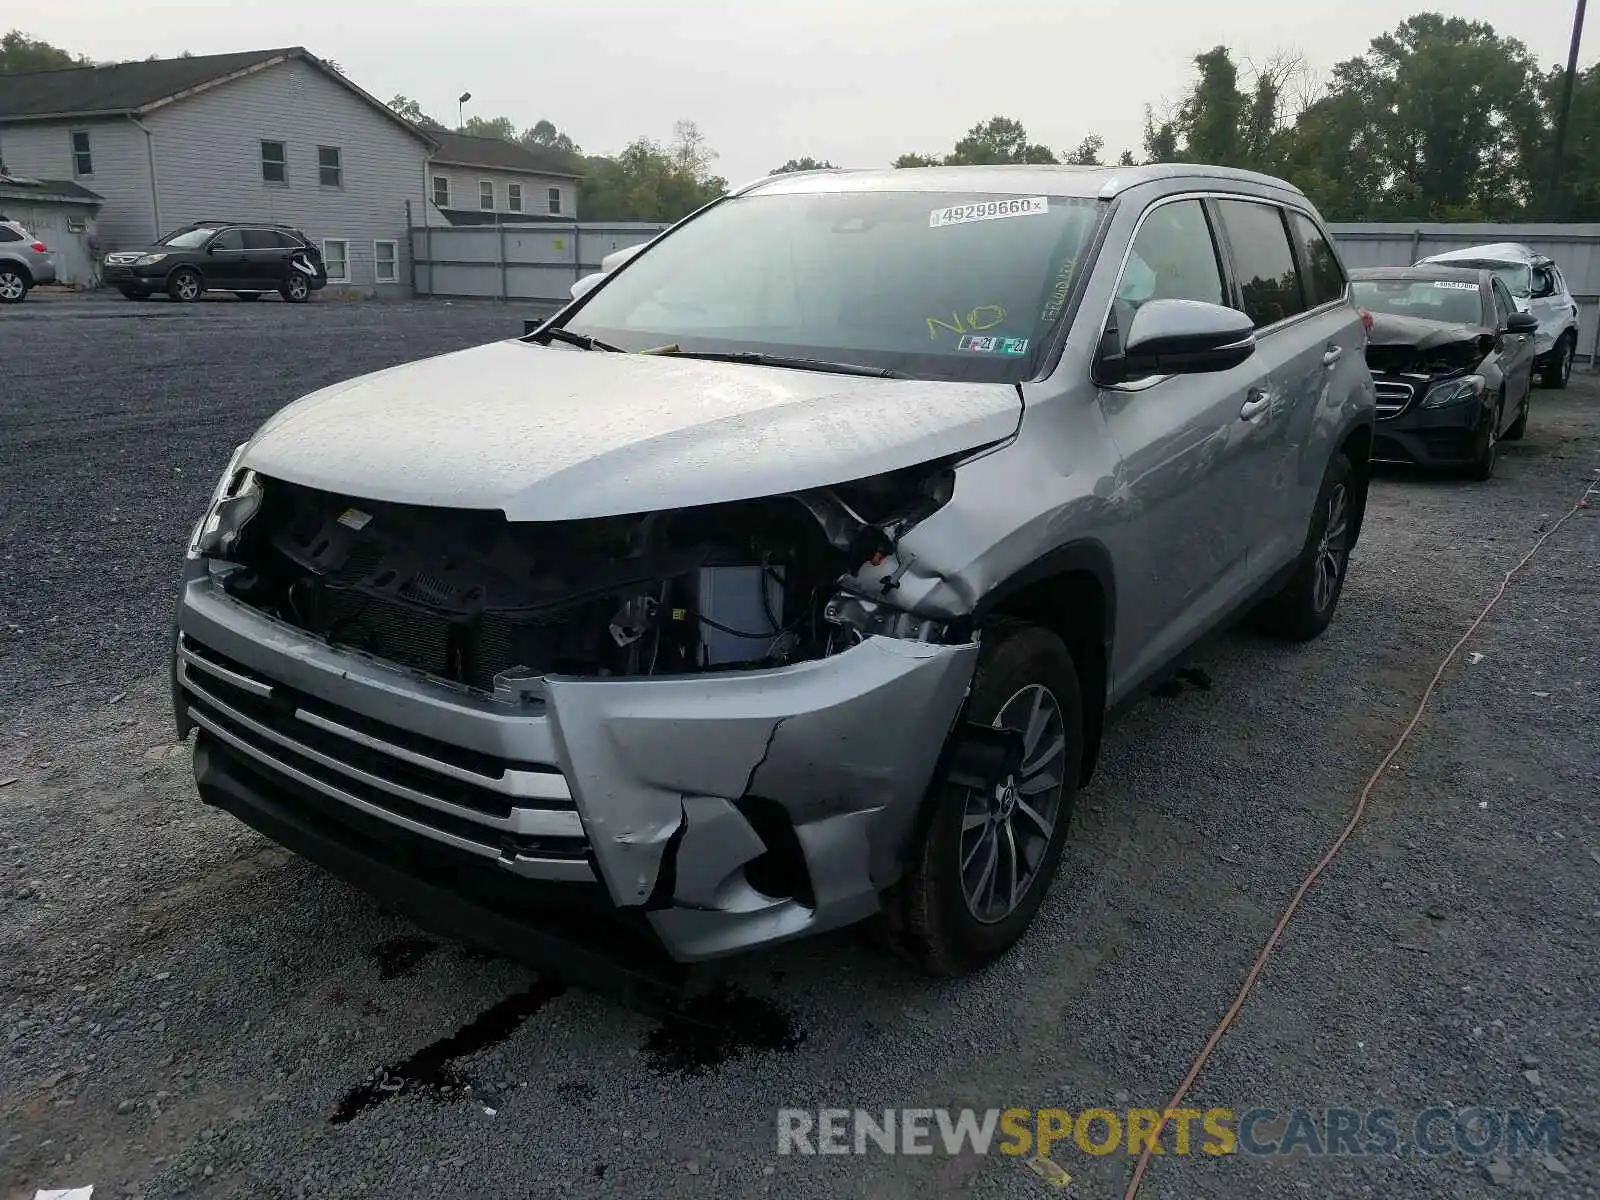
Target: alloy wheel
{"x": 11, "y": 287}
{"x": 188, "y": 287}
{"x": 298, "y": 287}
{"x": 1006, "y": 832}
{"x": 1333, "y": 552}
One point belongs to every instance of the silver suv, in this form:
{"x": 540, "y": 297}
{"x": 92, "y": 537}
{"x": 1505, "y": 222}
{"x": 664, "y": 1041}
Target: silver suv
{"x": 790, "y": 575}
{"x": 24, "y": 262}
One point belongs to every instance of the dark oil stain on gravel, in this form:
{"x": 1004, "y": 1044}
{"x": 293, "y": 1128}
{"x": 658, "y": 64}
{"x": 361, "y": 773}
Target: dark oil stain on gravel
{"x": 399, "y": 956}
{"x": 431, "y": 1070}
{"x": 720, "y": 1025}
{"x": 1190, "y": 679}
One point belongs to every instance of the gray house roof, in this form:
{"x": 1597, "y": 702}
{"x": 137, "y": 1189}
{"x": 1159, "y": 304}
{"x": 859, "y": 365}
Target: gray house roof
{"x": 133, "y": 88}
{"x": 62, "y": 191}
{"x": 463, "y": 150}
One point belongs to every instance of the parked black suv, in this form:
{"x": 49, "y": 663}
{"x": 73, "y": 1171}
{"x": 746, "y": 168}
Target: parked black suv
{"x": 221, "y": 256}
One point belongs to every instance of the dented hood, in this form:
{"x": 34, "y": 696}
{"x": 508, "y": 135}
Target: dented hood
{"x": 551, "y": 434}
{"x": 1407, "y": 344}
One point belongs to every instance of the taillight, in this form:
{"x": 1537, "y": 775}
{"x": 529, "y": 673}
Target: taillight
{"x": 40, "y": 247}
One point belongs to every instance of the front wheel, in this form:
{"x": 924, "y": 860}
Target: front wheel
{"x": 1517, "y": 428}
{"x": 185, "y": 285}
{"x": 986, "y": 857}
{"x": 1305, "y": 606}
{"x": 297, "y": 288}
{"x": 1482, "y": 466}
{"x": 1556, "y": 372}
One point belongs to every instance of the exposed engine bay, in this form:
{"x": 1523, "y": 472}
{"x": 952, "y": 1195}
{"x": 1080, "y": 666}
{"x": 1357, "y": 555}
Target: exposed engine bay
{"x": 1405, "y": 346}
{"x": 469, "y": 597}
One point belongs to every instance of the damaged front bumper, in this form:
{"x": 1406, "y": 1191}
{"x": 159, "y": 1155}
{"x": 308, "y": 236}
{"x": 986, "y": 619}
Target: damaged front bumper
{"x": 720, "y": 810}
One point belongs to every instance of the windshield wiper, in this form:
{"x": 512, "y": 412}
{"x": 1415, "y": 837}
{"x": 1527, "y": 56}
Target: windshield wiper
{"x": 582, "y": 341}
{"x": 782, "y": 360}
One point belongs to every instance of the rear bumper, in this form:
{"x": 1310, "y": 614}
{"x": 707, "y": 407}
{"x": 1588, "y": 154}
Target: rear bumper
{"x": 722, "y": 811}
{"x": 44, "y": 272}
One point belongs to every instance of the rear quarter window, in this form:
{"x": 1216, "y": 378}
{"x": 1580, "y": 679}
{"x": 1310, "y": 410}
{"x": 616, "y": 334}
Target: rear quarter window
{"x": 1324, "y": 278}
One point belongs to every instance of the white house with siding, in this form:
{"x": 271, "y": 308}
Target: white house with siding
{"x": 267, "y": 135}
{"x": 488, "y": 181}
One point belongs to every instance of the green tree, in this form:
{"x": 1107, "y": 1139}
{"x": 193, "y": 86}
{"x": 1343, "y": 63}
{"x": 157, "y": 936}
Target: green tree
{"x": 489, "y": 127}
{"x": 802, "y": 164}
{"x": 1579, "y": 197}
{"x": 998, "y": 140}
{"x": 543, "y": 135}
{"x": 20, "y": 54}
{"x": 916, "y": 160}
{"x": 412, "y": 111}
{"x": 1087, "y": 152}
{"x": 651, "y": 182}
{"x": 1126, "y": 159}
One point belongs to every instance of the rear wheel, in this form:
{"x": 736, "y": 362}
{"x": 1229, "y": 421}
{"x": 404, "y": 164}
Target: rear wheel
{"x": 297, "y": 288}
{"x": 1305, "y": 606}
{"x": 986, "y": 857}
{"x": 185, "y": 285}
{"x": 13, "y": 285}
{"x": 1556, "y": 372}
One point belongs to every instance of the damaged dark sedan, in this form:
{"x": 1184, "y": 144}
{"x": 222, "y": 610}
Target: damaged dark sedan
{"x": 1452, "y": 360}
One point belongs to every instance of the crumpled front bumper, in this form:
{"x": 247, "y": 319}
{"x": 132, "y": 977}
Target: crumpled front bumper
{"x": 664, "y": 773}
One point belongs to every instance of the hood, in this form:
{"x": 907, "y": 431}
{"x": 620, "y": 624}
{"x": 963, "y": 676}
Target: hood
{"x": 1416, "y": 345}
{"x": 545, "y": 433}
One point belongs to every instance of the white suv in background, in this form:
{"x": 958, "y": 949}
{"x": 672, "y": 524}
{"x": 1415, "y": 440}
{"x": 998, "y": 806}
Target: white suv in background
{"x": 24, "y": 262}
{"x": 1537, "y": 285}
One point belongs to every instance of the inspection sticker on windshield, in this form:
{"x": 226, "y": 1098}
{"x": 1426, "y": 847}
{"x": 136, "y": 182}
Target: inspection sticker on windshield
{"x": 1455, "y": 285}
{"x": 988, "y": 210}
{"x": 979, "y": 344}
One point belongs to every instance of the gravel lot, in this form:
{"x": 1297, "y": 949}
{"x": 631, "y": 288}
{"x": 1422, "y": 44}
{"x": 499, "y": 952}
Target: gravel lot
{"x": 185, "y": 1009}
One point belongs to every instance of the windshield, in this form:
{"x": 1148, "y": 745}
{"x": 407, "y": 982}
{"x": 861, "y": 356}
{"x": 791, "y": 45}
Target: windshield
{"x": 188, "y": 239}
{"x": 1516, "y": 276}
{"x": 929, "y": 284}
{"x": 1431, "y": 299}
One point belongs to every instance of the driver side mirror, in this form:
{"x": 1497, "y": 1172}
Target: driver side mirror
{"x": 586, "y": 285}
{"x": 1521, "y": 322}
{"x": 1179, "y": 337}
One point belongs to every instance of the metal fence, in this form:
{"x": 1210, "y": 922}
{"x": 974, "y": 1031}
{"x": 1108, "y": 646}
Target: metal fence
{"x": 537, "y": 262}
{"x": 1575, "y": 249}
{"x": 540, "y": 262}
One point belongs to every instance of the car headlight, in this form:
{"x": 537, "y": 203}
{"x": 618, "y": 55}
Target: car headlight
{"x": 236, "y": 498}
{"x": 146, "y": 260}
{"x": 1453, "y": 391}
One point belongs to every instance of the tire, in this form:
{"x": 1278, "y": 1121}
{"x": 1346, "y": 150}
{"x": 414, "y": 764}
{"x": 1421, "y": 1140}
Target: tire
{"x": 928, "y": 916}
{"x": 296, "y": 288}
{"x": 1305, "y": 606}
{"x": 185, "y": 285}
{"x": 1556, "y": 372}
{"x": 1481, "y": 469}
{"x": 1519, "y": 427}
{"x": 248, "y": 295}
{"x": 14, "y": 285}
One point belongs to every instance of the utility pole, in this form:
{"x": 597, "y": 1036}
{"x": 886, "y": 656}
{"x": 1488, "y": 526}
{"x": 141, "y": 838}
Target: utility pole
{"x": 1566, "y": 108}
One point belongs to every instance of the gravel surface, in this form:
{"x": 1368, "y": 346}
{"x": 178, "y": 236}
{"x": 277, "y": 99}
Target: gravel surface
{"x": 186, "y": 1009}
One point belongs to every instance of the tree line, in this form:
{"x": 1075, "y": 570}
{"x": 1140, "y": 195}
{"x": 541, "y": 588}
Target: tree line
{"x": 1441, "y": 119}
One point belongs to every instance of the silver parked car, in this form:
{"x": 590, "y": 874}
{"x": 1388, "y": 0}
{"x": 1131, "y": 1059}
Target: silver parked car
{"x": 25, "y": 261}
{"x": 789, "y": 575}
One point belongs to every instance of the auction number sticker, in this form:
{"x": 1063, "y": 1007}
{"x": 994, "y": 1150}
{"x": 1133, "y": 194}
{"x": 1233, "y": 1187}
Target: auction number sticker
{"x": 988, "y": 210}
{"x": 1455, "y": 285}
{"x": 980, "y": 344}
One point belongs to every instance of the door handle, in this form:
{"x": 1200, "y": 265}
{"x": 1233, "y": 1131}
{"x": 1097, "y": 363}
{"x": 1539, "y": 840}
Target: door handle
{"x": 1255, "y": 404}
{"x": 1332, "y": 355}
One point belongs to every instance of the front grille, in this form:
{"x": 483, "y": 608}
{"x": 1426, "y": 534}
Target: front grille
{"x": 521, "y": 814}
{"x": 1393, "y": 397}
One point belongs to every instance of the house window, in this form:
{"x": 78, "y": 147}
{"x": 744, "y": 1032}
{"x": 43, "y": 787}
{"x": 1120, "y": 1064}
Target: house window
{"x": 514, "y": 197}
{"x": 82, "y": 160}
{"x": 274, "y": 163}
{"x": 386, "y": 262}
{"x": 555, "y": 201}
{"x": 330, "y": 167}
{"x": 441, "y": 191}
{"x": 336, "y": 257}
{"x": 486, "y": 195}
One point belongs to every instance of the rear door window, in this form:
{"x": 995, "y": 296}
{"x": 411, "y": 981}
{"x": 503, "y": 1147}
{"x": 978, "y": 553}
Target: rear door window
{"x": 1263, "y": 263}
{"x": 1324, "y": 278}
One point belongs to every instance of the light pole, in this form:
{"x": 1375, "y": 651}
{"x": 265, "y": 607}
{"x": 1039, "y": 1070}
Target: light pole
{"x": 1566, "y": 106}
{"x": 462, "y": 99}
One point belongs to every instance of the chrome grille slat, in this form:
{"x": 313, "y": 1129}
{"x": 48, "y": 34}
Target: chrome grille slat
{"x": 519, "y": 785}
{"x": 566, "y": 870}
{"x": 532, "y": 822}
{"x": 1392, "y": 397}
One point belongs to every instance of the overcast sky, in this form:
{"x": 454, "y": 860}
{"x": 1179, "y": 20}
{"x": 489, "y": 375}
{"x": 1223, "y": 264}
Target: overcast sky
{"x": 853, "y": 81}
